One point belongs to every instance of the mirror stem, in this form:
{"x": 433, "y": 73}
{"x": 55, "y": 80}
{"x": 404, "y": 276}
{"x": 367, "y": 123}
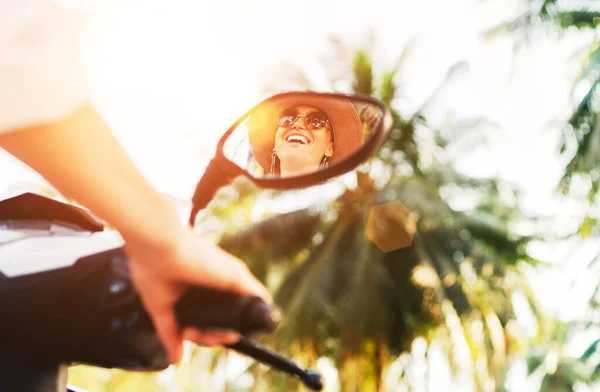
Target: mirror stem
{"x": 214, "y": 178}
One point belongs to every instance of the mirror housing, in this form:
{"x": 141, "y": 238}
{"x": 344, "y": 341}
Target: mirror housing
{"x": 374, "y": 125}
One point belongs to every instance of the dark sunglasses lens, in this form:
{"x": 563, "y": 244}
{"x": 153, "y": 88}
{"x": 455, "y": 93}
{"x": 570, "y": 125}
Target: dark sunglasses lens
{"x": 316, "y": 120}
{"x": 287, "y": 117}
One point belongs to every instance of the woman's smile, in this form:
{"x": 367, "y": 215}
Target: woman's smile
{"x": 297, "y": 137}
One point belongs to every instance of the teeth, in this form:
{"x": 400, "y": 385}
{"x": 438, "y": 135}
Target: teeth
{"x": 297, "y": 138}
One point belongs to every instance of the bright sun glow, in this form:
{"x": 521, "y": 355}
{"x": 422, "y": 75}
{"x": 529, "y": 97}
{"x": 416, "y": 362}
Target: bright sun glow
{"x": 170, "y": 77}
{"x": 167, "y": 87}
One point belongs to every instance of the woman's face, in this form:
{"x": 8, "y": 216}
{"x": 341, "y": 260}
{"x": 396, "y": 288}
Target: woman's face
{"x": 300, "y": 147}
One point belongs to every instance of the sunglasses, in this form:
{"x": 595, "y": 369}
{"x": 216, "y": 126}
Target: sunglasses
{"x": 313, "y": 120}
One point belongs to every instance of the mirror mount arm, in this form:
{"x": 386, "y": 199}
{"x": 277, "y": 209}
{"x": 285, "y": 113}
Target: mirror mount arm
{"x": 215, "y": 177}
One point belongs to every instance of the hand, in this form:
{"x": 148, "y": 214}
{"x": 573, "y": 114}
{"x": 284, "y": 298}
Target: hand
{"x": 162, "y": 274}
{"x": 165, "y": 258}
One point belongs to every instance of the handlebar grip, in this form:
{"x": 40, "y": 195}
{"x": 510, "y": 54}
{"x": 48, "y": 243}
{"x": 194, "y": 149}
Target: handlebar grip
{"x": 209, "y": 310}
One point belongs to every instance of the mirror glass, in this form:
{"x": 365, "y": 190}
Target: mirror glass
{"x": 298, "y": 134}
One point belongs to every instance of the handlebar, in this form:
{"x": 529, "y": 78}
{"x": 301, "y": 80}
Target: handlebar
{"x": 205, "y": 308}
{"x": 310, "y": 378}
{"x": 90, "y": 313}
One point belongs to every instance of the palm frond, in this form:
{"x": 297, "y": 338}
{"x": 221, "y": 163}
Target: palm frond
{"x": 304, "y": 297}
{"x": 591, "y": 350}
{"x": 388, "y": 87}
{"x": 278, "y": 237}
{"x": 586, "y": 135}
{"x": 581, "y": 19}
{"x": 363, "y": 73}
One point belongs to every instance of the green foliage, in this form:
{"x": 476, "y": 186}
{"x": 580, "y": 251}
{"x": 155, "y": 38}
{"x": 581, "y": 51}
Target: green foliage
{"x": 561, "y": 371}
{"x": 580, "y": 19}
{"x": 547, "y": 7}
{"x": 584, "y": 133}
{"x": 363, "y": 71}
{"x": 591, "y": 350}
{"x": 580, "y": 142}
{"x": 389, "y": 89}
{"x": 559, "y": 14}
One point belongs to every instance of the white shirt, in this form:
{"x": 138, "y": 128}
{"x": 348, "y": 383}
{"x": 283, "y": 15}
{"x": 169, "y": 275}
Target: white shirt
{"x": 41, "y": 68}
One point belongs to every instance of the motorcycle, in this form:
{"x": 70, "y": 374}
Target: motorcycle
{"x": 65, "y": 293}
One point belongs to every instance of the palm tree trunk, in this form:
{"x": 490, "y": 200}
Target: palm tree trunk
{"x": 349, "y": 370}
{"x": 381, "y": 355}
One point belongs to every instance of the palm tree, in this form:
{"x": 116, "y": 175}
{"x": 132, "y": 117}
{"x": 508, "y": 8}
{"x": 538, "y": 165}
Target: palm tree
{"x": 561, "y": 370}
{"x": 580, "y": 141}
{"x": 580, "y": 144}
{"x": 346, "y": 299}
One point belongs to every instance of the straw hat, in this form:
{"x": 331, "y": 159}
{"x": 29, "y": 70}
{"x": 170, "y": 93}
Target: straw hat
{"x": 342, "y": 115}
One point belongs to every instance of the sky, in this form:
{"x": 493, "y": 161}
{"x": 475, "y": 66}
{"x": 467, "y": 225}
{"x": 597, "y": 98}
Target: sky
{"x": 170, "y": 77}
{"x": 185, "y": 70}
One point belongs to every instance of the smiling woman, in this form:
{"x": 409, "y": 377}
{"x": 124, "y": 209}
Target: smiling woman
{"x": 300, "y": 135}
{"x": 303, "y": 141}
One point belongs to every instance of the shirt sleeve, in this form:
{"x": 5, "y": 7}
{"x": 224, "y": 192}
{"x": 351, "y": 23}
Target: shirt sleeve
{"x": 41, "y": 67}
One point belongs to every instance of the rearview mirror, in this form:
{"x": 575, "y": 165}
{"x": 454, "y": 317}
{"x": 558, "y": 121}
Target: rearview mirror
{"x": 301, "y": 134}
{"x": 295, "y": 140}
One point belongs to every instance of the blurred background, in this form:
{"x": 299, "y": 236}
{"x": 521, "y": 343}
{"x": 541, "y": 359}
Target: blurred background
{"x": 487, "y": 188}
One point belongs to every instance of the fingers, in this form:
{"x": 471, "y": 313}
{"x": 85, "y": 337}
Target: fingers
{"x": 221, "y": 270}
{"x": 205, "y": 338}
{"x": 231, "y": 274}
{"x": 172, "y": 338}
{"x": 162, "y": 277}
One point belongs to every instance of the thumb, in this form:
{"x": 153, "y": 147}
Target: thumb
{"x": 230, "y": 274}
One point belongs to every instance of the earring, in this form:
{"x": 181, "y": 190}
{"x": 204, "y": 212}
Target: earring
{"x": 273, "y": 159}
{"x": 325, "y": 161}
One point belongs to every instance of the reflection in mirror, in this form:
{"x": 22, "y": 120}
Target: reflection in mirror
{"x": 301, "y": 134}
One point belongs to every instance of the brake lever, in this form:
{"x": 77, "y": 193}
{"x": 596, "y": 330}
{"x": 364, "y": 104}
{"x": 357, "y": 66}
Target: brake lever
{"x": 248, "y": 316}
{"x": 310, "y": 378}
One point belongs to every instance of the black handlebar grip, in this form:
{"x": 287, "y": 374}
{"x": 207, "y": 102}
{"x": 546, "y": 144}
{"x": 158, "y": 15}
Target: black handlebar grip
{"x": 210, "y": 310}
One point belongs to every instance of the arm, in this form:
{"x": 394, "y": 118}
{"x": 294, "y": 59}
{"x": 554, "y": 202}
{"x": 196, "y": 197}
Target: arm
{"x": 83, "y": 160}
